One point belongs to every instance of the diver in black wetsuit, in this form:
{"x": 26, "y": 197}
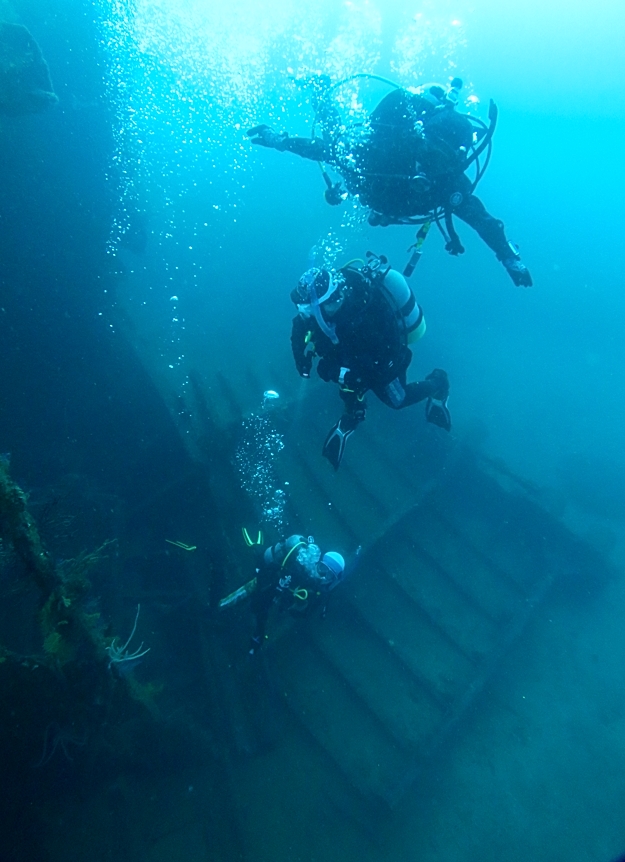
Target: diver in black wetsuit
{"x": 409, "y": 160}
{"x": 359, "y": 322}
{"x": 292, "y": 575}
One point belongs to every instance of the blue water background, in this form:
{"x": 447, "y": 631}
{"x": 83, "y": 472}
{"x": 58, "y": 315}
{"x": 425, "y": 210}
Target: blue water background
{"x": 541, "y": 369}
{"x": 145, "y": 139}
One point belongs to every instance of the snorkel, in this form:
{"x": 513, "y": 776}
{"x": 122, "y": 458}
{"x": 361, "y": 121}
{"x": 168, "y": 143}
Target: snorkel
{"x": 314, "y": 306}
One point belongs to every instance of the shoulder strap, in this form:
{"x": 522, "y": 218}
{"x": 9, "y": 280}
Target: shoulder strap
{"x": 296, "y": 547}
{"x": 293, "y": 543}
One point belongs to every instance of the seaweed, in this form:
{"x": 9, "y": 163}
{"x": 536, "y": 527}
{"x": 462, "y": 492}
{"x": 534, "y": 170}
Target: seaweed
{"x": 19, "y": 529}
{"x": 73, "y": 639}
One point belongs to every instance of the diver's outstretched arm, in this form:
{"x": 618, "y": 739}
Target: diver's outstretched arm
{"x": 315, "y": 149}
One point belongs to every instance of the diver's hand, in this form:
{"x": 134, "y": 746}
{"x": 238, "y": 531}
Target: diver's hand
{"x": 264, "y": 136}
{"x": 518, "y": 272}
{"x": 304, "y": 365}
{"x": 454, "y": 246}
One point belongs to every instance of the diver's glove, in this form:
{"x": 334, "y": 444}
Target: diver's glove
{"x": 264, "y": 136}
{"x": 335, "y": 194}
{"x": 517, "y": 270}
{"x": 454, "y": 246}
{"x": 436, "y": 410}
{"x": 304, "y": 365}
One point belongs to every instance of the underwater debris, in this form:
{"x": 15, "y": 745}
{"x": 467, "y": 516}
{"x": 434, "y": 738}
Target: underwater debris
{"x": 65, "y": 624}
{"x": 18, "y": 527}
{"x": 70, "y": 634}
{"x": 120, "y": 654}
{"x": 55, "y": 738}
{"x": 182, "y": 545}
{"x": 74, "y": 571}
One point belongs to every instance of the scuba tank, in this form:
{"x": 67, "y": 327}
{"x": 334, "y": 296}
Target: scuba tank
{"x": 399, "y": 295}
{"x": 280, "y": 553}
{"x": 404, "y": 301}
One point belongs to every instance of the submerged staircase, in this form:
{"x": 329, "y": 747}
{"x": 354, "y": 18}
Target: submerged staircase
{"x": 456, "y": 557}
{"x": 457, "y": 554}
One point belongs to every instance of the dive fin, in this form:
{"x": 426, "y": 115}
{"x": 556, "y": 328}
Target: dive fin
{"x": 335, "y": 442}
{"x": 437, "y": 413}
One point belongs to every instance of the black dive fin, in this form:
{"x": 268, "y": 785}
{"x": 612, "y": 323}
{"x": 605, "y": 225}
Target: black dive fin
{"x": 334, "y": 445}
{"x": 437, "y": 413}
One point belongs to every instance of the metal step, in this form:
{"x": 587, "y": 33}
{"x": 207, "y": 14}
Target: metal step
{"x": 349, "y": 501}
{"x": 321, "y": 699}
{"x": 454, "y": 565}
{"x": 437, "y": 594}
{"x": 364, "y": 473}
{"x": 313, "y": 507}
{"x": 383, "y": 683}
{"x": 421, "y": 646}
{"x": 495, "y": 594}
{"x": 506, "y": 529}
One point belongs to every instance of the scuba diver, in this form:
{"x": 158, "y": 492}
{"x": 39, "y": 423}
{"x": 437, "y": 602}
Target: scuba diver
{"x": 408, "y": 163}
{"x": 359, "y": 322}
{"x": 293, "y": 575}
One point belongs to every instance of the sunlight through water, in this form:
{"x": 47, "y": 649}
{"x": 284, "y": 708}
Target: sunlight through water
{"x": 188, "y": 78}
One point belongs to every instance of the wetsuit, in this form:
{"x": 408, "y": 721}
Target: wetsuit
{"x": 408, "y": 161}
{"x": 371, "y": 352}
{"x": 283, "y": 581}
